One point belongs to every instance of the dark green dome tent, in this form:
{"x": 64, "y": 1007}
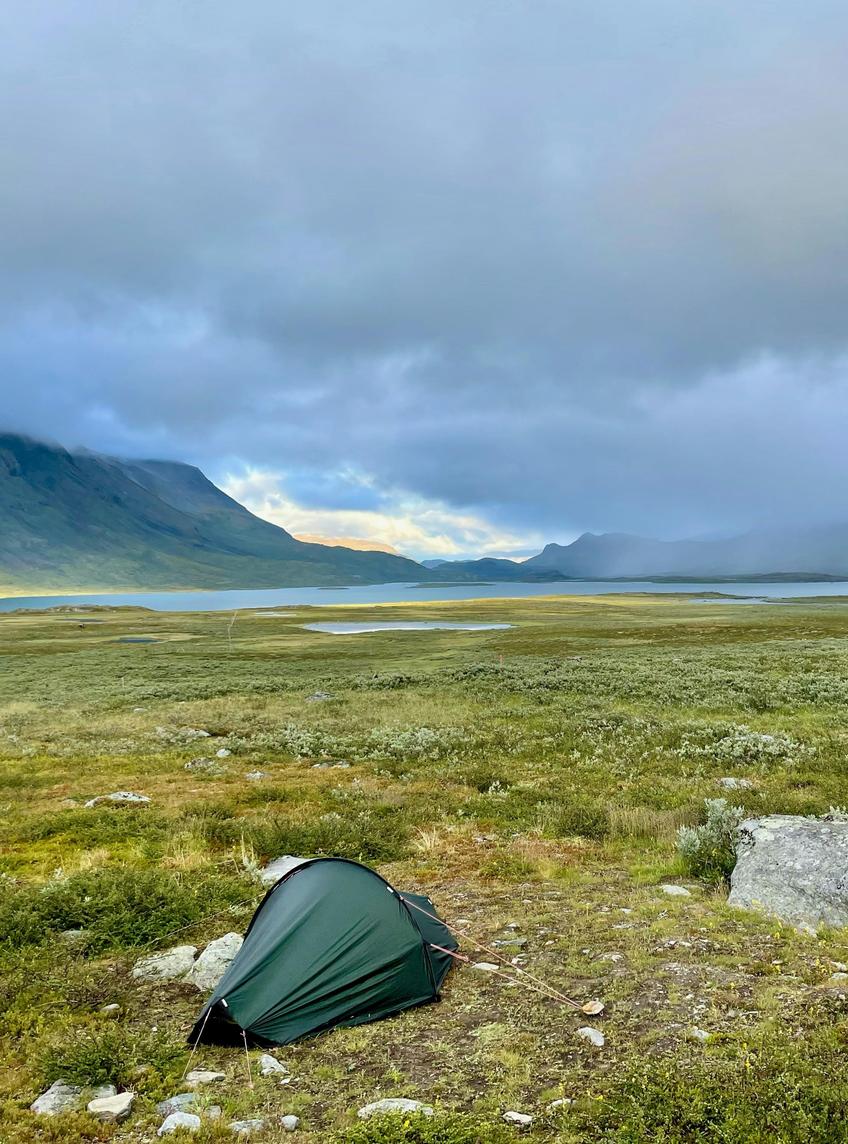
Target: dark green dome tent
{"x": 331, "y": 943}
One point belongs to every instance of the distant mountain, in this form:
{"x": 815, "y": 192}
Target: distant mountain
{"x": 819, "y": 551}
{"x": 83, "y": 520}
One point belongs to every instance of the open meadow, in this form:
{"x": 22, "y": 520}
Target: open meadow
{"x": 532, "y": 781}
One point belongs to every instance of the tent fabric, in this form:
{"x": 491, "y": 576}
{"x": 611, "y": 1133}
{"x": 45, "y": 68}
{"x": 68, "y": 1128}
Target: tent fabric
{"x": 331, "y": 944}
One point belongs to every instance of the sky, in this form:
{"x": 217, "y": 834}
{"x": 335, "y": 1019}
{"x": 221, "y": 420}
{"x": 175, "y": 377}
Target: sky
{"x": 464, "y": 278}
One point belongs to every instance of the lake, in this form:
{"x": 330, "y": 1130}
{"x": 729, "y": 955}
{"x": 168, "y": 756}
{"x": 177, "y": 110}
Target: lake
{"x": 400, "y": 626}
{"x": 237, "y": 599}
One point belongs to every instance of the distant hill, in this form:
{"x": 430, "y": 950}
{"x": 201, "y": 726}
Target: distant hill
{"x": 83, "y": 520}
{"x": 820, "y": 551}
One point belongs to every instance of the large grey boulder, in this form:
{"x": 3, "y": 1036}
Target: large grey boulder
{"x": 119, "y": 798}
{"x": 186, "y": 1121}
{"x": 112, "y": 1109}
{"x": 215, "y": 960}
{"x": 170, "y": 965}
{"x": 392, "y": 1104}
{"x": 793, "y": 868}
{"x": 58, "y": 1098}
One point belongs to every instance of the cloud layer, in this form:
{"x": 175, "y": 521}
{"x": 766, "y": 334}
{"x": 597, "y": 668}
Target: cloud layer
{"x": 527, "y": 269}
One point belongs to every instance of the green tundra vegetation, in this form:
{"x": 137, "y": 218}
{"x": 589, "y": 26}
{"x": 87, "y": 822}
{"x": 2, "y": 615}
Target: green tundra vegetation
{"x": 532, "y": 781}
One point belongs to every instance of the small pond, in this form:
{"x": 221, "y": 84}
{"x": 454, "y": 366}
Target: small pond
{"x": 402, "y": 626}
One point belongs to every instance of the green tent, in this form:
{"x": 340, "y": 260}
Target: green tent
{"x": 332, "y": 943}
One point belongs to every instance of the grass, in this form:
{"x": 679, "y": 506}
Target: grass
{"x": 535, "y": 777}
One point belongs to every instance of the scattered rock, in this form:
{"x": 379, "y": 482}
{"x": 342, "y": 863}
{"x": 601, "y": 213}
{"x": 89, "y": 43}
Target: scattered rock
{"x": 393, "y": 1104}
{"x": 213, "y": 963}
{"x": 696, "y": 1034}
{"x": 58, "y": 1098}
{"x": 213, "y": 1112}
{"x": 563, "y": 1102}
{"x": 521, "y": 1119}
{"x": 112, "y": 1109}
{"x": 255, "y": 776}
{"x": 113, "y": 1009}
{"x": 485, "y": 966}
{"x": 279, "y": 867}
{"x": 674, "y": 891}
{"x": 342, "y": 765}
{"x": 731, "y": 783}
{"x": 793, "y": 868}
{"x": 269, "y": 1066}
{"x": 838, "y": 978}
{"x": 119, "y": 798}
{"x": 593, "y": 1036}
{"x": 245, "y": 1128}
{"x": 289, "y": 1122}
{"x": 204, "y": 1076}
{"x": 177, "y": 1120}
{"x": 75, "y": 937}
{"x": 170, "y": 965}
{"x": 182, "y": 1102}
{"x": 209, "y": 766}
{"x": 223, "y": 753}
{"x": 138, "y": 710}
{"x": 510, "y": 943}
{"x": 319, "y": 696}
{"x": 593, "y": 1008}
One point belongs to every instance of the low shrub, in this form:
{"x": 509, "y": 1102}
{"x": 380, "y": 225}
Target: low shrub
{"x": 106, "y": 1053}
{"x": 709, "y": 850}
{"x": 442, "y": 1128}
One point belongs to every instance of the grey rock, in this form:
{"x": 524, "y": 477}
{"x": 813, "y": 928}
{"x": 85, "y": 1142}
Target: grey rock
{"x": 182, "y": 1102}
{"x": 204, "y": 1076}
{"x": 246, "y": 1128}
{"x": 486, "y": 966}
{"x": 319, "y": 696}
{"x": 696, "y": 1034}
{"x": 593, "y": 1036}
{"x": 793, "y": 868}
{"x": 213, "y": 1112}
{"x": 215, "y": 960}
{"x": 269, "y": 1066}
{"x": 119, "y": 798}
{"x": 520, "y": 1119}
{"x": 731, "y": 783}
{"x": 177, "y": 1120}
{"x": 256, "y": 776}
{"x": 75, "y": 937}
{"x": 208, "y": 766}
{"x": 58, "y": 1098}
{"x": 674, "y": 891}
{"x": 393, "y": 1104}
{"x": 279, "y": 867}
{"x": 112, "y": 1109}
{"x": 101, "y": 1092}
{"x": 170, "y": 965}
{"x": 113, "y": 1009}
{"x": 290, "y": 1122}
{"x": 223, "y": 753}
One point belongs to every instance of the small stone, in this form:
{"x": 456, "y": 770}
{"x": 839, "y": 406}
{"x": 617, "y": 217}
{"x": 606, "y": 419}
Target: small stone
{"x": 592, "y": 1008}
{"x": 521, "y": 1119}
{"x": 204, "y": 1076}
{"x": 485, "y": 966}
{"x": 510, "y": 943}
{"x": 674, "y": 891}
{"x": 593, "y": 1036}
{"x": 256, "y": 776}
{"x": 75, "y": 937}
{"x": 223, "y": 753}
{"x": 209, "y": 766}
{"x": 838, "y": 978}
{"x": 213, "y": 1112}
{"x": 138, "y": 710}
{"x": 394, "y": 1104}
{"x": 289, "y": 1122}
{"x": 170, "y": 965}
{"x": 319, "y": 696}
{"x": 563, "y": 1102}
{"x": 112, "y": 1009}
{"x": 731, "y": 783}
{"x": 697, "y": 1034}
{"x": 177, "y": 1120}
{"x": 112, "y": 1109}
{"x": 279, "y": 867}
{"x": 58, "y": 1098}
{"x": 269, "y": 1066}
{"x": 215, "y": 960}
{"x": 119, "y": 798}
{"x": 245, "y": 1128}
{"x": 179, "y": 1103}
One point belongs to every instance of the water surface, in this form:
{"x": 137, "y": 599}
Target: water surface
{"x": 410, "y": 626}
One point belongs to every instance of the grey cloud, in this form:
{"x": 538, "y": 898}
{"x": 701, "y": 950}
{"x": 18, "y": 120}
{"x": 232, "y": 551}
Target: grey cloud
{"x": 578, "y": 265}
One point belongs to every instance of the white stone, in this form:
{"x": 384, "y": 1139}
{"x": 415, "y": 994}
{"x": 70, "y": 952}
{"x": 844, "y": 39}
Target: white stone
{"x": 277, "y": 868}
{"x": 177, "y": 1120}
{"x": 793, "y": 868}
{"x": 697, "y": 1034}
{"x": 112, "y": 1009}
{"x": 170, "y": 965}
{"x": 112, "y": 1109}
{"x": 593, "y": 1036}
{"x": 269, "y": 1066}
{"x": 58, "y": 1098}
{"x": 204, "y": 1076}
{"x": 245, "y": 1128}
{"x": 731, "y": 783}
{"x": 485, "y": 966}
{"x": 563, "y": 1102}
{"x": 256, "y": 776}
{"x": 223, "y": 753}
{"x": 121, "y": 798}
{"x": 215, "y": 960}
{"x": 675, "y": 891}
{"x": 522, "y": 1119}
{"x": 838, "y": 978}
{"x": 393, "y": 1104}
{"x": 290, "y": 1122}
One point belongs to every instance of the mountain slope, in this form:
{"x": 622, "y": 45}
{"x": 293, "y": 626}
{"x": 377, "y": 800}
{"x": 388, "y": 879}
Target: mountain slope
{"x": 82, "y": 520}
